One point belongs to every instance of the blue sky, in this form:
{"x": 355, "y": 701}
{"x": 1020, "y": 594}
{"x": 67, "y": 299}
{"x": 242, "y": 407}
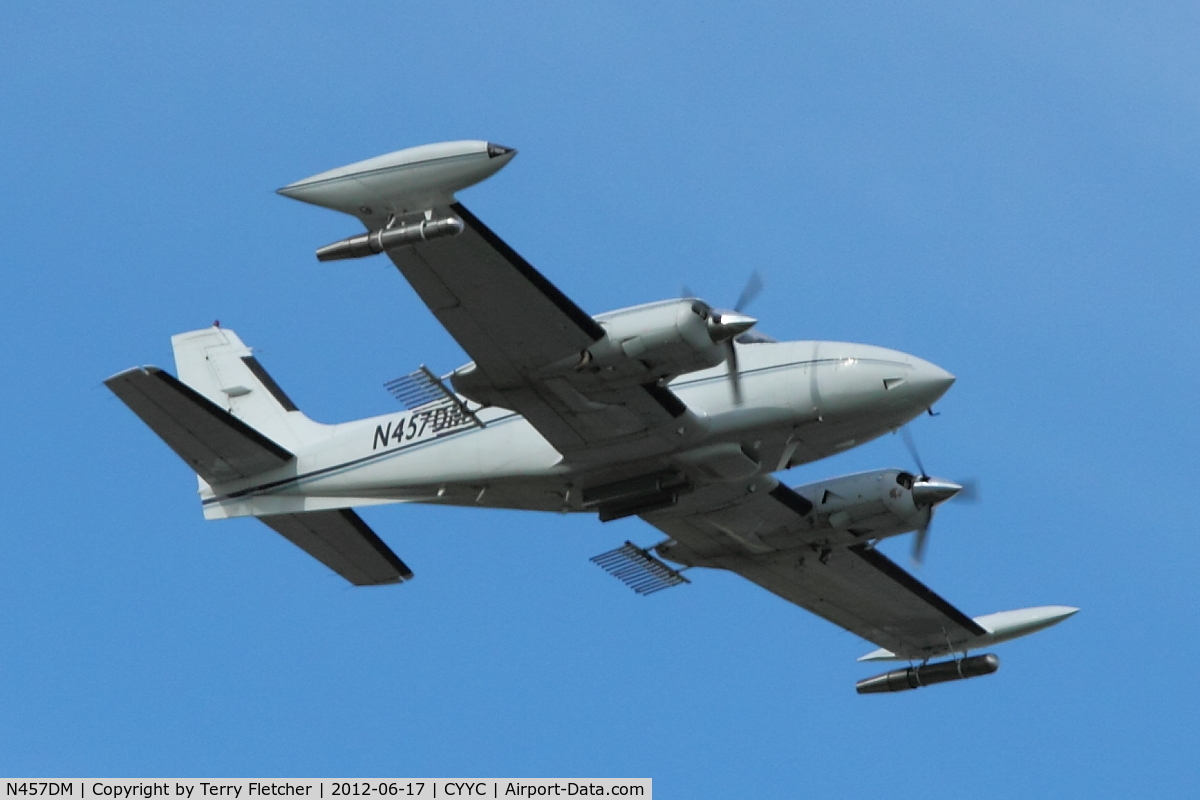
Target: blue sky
{"x": 1009, "y": 192}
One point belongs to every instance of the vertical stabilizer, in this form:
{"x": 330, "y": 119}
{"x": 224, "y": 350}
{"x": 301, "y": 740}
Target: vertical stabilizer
{"x": 216, "y": 363}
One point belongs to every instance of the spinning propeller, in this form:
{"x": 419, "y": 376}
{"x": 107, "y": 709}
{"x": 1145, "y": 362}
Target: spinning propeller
{"x": 930, "y": 492}
{"x": 725, "y": 326}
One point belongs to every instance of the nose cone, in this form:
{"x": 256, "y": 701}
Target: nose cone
{"x": 934, "y": 491}
{"x": 927, "y": 382}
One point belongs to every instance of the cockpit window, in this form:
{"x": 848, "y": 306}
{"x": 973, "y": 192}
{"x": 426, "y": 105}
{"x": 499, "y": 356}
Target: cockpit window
{"x": 905, "y": 479}
{"x": 701, "y": 310}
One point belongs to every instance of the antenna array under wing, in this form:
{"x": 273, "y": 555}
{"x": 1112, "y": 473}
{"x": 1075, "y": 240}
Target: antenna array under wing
{"x": 423, "y": 389}
{"x": 638, "y": 570}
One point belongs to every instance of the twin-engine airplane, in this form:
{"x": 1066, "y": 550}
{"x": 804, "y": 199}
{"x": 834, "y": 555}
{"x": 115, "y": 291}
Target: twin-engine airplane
{"x": 674, "y": 411}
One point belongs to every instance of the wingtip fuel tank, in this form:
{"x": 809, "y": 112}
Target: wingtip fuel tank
{"x": 412, "y": 180}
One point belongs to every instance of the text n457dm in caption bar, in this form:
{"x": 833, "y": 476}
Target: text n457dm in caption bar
{"x": 321, "y": 788}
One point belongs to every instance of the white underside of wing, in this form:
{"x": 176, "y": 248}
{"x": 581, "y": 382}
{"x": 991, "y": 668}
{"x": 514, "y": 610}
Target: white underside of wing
{"x": 1001, "y": 626}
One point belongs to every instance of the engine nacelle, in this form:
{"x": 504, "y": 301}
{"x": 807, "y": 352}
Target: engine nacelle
{"x": 848, "y": 510}
{"x": 644, "y": 344}
{"x": 654, "y": 342}
{"x": 868, "y": 505}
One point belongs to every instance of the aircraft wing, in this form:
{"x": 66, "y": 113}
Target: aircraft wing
{"x": 514, "y": 323}
{"x": 503, "y": 312}
{"x": 855, "y": 587}
{"x": 523, "y": 334}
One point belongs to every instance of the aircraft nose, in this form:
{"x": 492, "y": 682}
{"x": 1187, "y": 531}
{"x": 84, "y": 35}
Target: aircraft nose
{"x": 928, "y": 382}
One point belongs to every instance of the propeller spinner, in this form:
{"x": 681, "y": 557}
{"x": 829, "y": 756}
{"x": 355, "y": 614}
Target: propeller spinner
{"x": 928, "y": 492}
{"x": 724, "y": 326}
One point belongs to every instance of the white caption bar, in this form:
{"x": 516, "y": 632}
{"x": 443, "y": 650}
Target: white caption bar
{"x": 319, "y": 789}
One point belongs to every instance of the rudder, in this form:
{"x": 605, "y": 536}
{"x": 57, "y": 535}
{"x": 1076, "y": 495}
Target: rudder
{"x": 219, "y": 366}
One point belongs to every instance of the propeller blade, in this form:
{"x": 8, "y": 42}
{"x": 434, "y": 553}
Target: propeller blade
{"x": 907, "y": 436}
{"x": 970, "y": 491}
{"x": 685, "y": 292}
{"x": 932, "y": 492}
{"x": 735, "y": 379}
{"x": 754, "y": 285}
{"x": 919, "y": 544}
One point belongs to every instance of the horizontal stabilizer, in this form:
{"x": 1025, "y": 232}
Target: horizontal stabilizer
{"x": 638, "y": 570}
{"x": 217, "y": 445}
{"x": 340, "y": 540}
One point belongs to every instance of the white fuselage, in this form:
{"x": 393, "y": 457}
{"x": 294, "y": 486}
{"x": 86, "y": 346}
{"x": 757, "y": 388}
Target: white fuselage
{"x": 803, "y": 401}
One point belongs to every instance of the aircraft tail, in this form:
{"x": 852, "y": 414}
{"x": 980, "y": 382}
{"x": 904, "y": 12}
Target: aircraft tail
{"x": 224, "y": 415}
{"x": 230, "y": 421}
{"x": 216, "y": 364}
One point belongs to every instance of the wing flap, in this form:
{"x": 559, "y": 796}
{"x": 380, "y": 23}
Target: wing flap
{"x": 217, "y": 445}
{"x": 340, "y": 540}
{"x": 861, "y": 590}
{"x": 513, "y": 323}
{"x": 503, "y": 312}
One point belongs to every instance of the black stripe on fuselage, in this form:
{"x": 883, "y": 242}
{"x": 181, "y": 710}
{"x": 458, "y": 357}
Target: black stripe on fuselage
{"x": 354, "y": 462}
{"x": 888, "y": 567}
